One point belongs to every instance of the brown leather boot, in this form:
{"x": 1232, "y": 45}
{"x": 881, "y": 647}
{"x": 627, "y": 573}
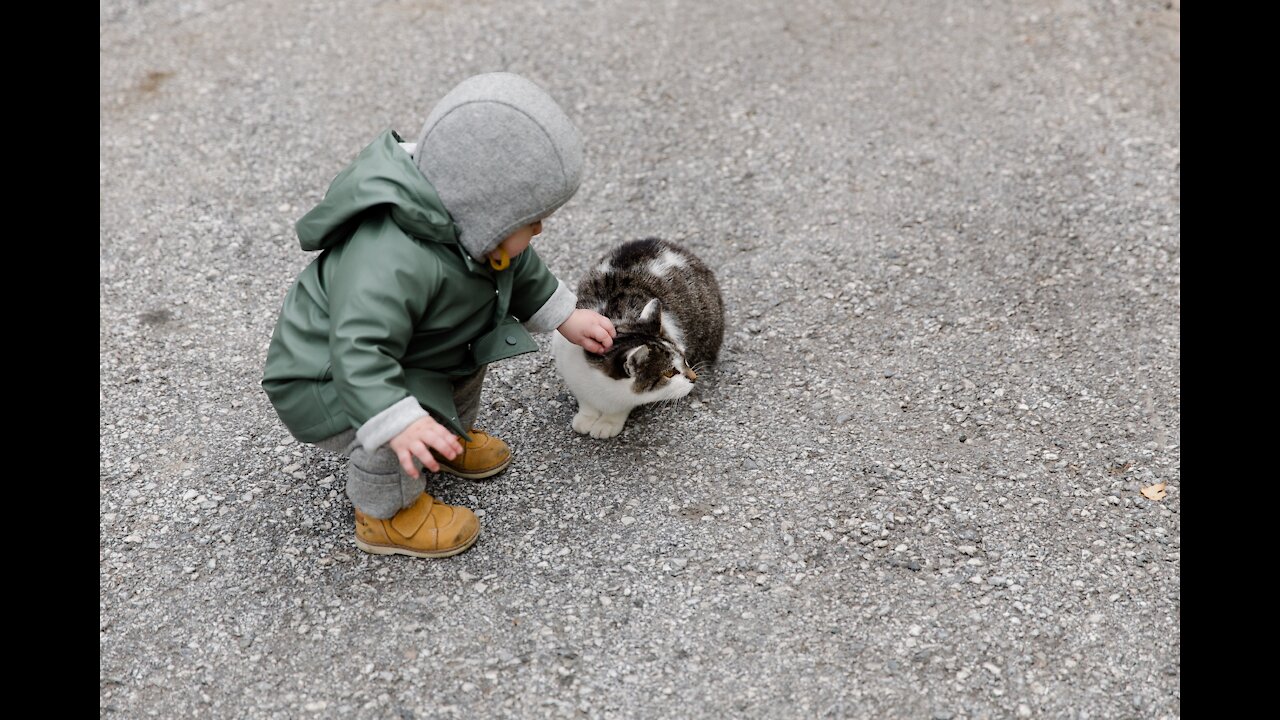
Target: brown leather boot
{"x": 485, "y": 456}
{"x": 425, "y": 529}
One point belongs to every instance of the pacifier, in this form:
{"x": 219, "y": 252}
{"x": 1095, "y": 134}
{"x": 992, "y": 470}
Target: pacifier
{"x": 502, "y": 262}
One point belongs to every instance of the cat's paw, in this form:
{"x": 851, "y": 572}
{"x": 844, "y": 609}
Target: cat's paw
{"x": 607, "y": 426}
{"x": 583, "y": 421}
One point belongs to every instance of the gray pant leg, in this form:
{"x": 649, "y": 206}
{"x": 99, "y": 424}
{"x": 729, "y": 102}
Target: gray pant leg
{"x": 466, "y": 396}
{"x": 376, "y": 483}
{"x": 378, "y": 486}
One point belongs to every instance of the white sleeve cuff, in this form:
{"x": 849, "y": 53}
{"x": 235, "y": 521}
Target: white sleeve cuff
{"x": 554, "y": 311}
{"x": 389, "y": 423}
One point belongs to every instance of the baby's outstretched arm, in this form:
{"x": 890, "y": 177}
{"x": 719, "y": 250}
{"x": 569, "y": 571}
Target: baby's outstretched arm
{"x": 418, "y": 439}
{"x": 589, "y": 329}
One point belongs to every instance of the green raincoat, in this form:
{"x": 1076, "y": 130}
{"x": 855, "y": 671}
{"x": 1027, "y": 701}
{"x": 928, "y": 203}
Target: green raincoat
{"x": 393, "y": 307}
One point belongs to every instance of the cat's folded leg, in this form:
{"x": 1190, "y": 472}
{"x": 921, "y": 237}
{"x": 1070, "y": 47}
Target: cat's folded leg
{"x": 607, "y": 426}
{"x": 585, "y": 418}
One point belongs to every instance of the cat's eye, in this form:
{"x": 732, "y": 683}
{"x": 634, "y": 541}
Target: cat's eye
{"x": 671, "y": 373}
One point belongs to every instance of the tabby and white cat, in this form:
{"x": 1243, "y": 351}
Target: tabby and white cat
{"x": 666, "y": 306}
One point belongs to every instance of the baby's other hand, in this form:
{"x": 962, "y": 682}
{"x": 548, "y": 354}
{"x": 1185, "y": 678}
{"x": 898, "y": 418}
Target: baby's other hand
{"x": 590, "y": 330}
{"x": 417, "y": 441}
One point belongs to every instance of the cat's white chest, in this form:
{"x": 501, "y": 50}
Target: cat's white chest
{"x": 586, "y": 382}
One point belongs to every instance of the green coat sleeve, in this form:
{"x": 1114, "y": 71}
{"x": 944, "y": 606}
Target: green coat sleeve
{"x": 532, "y": 285}
{"x": 376, "y": 298}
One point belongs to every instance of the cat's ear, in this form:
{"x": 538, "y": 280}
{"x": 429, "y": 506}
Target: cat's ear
{"x": 635, "y": 356}
{"x": 652, "y": 313}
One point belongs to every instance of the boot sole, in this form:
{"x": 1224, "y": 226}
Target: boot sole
{"x": 476, "y": 475}
{"x": 393, "y": 550}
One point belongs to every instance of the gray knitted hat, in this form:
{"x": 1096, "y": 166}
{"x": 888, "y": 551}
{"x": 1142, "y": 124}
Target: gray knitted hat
{"x": 501, "y": 154}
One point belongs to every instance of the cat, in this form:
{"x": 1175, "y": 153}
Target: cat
{"x": 666, "y": 306}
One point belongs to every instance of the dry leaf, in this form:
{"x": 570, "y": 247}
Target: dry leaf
{"x": 1155, "y": 492}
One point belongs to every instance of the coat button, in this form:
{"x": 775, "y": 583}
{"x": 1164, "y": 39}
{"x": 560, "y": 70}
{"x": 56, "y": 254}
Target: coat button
{"x": 511, "y": 340}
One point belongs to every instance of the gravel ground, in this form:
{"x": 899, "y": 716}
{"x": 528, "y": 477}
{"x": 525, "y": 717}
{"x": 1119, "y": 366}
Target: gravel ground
{"x": 948, "y": 234}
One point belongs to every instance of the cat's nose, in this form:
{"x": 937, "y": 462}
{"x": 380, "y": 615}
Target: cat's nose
{"x": 693, "y": 376}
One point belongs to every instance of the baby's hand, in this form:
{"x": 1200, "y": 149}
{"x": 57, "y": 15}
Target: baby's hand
{"x": 418, "y": 439}
{"x": 589, "y": 329}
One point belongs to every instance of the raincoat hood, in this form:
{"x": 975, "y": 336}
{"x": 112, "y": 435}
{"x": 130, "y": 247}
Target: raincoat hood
{"x": 383, "y": 174}
{"x": 501, "y": 154}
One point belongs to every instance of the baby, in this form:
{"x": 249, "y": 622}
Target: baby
{"x": 426, "y": 276}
